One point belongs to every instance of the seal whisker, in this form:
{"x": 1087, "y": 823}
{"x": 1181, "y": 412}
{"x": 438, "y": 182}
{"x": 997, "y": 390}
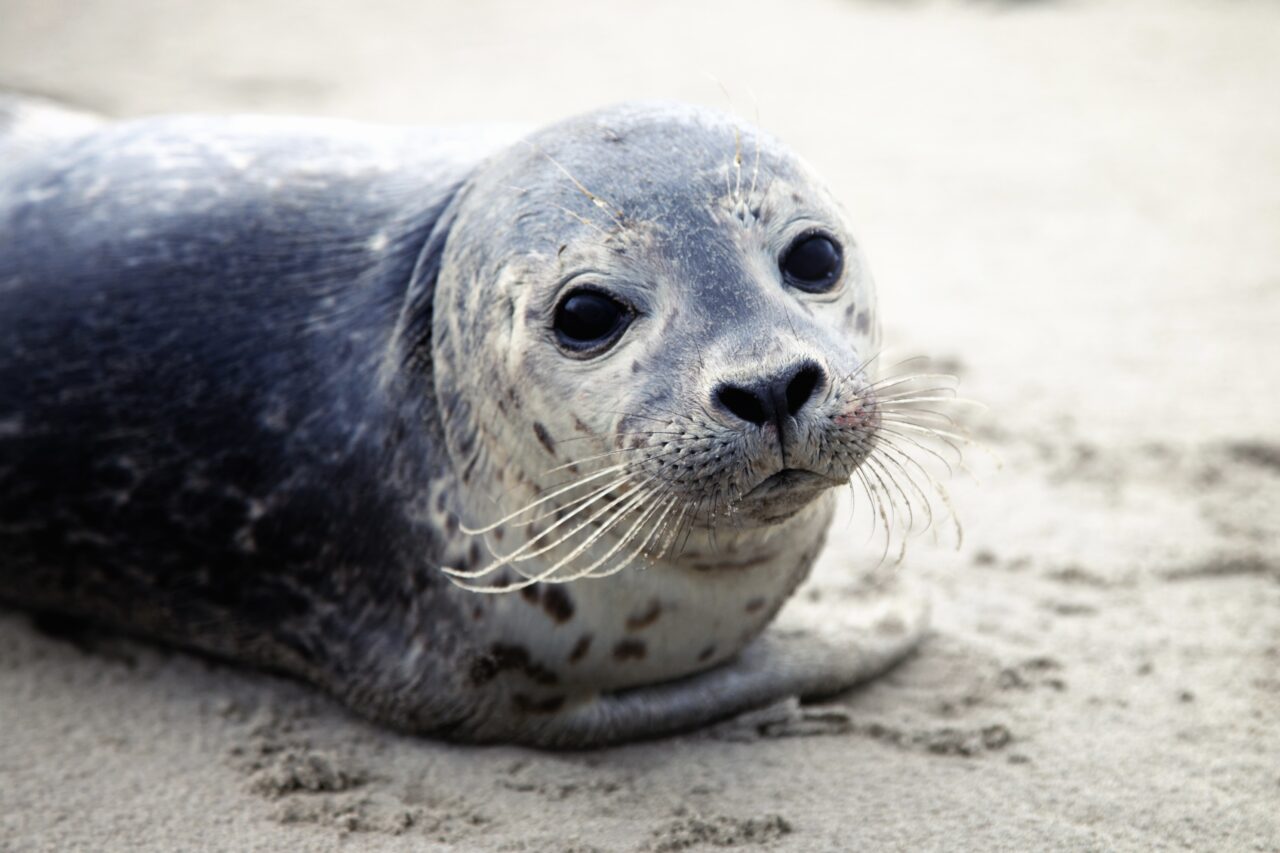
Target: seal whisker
{"x": 936, "y": 432}
{"x": 670, "y": 525}
{"x": 615, "y": 213}
{"x": 664, "y": 421}
{"x": 880, "y": 470}
{"x": 677, "y": 438}
{"x": 504, "y": 559}
{"x": 472, "y": 531}
{"x": 737, "y": 166}
{"x": 957, "y": 401}
{"x": 520, "y": 555}
{"x": 887, "y": 432}
{"x": 902, "y": 379}
{"x": 654, "y": 497}
{"x": 904, "y": 393}
{"x": 866, "y": 491}
{"x": 620, "y": 510}
{"x": 586, "y": 499}
{"x": 892, "y": 440}
{"x": 755, "y": 169}
{"x": 665, "y": 504}
{"x": 893, "y": 414}
{"x": 548, "y": 575}
{"x": 887, "y": 503}
{"x": 938, "y": 490}
{"x": 928, "y": 420}
{"x": 882, "y": 509}
{"x": 583, "y": 220}
{"x": 895, "y": 458}
{"x": 524, "y": 552}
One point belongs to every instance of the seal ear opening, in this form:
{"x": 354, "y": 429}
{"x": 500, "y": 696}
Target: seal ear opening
{"x": 411, "y": 347}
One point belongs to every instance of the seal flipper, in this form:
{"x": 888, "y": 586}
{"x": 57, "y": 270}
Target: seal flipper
{"x": 813, "y": 652}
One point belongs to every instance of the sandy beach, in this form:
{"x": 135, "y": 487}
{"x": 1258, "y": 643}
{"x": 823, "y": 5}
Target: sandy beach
{"x": 1074, "y": 207}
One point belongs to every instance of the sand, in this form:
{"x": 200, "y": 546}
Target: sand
{"x": 1075, "y": 206}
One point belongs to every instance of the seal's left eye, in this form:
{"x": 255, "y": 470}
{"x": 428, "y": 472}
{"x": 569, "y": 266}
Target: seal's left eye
{"x": 588, "y": 320}
{"x": 813, "y": 263}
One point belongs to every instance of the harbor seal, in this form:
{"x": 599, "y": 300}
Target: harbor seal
{"x": 381, "y": 408}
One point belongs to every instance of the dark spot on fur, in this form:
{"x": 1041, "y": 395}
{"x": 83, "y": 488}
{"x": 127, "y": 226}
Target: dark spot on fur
{"x": 644, "y": 618}
{"x": 863, "y": 322}
{"x": 580, "y": 426}
{"x": 529, "y": 705}
{"x": 450, "y": 524}
{"x": 477, "y": 613}
{"x": 440, "y": 501}
{"x": 754, "y": 604}
{"x": 531, "y": 594}
{"x": 580, "y": 648}
{"x": 635, "y": 366}
{"x": 544, "y": 437}
{"x": 558, "y": 604}
{"x": 630, "y": 650}
{"x": 498, "y": 533}
{"x": 503, "y": 580}
{"x": 505, "y": 656}
{"x": 706, "y": 653}
{"x": 474, "y": 554}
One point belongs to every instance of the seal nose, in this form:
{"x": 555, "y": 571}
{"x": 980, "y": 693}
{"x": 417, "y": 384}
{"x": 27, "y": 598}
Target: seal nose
{"x": 772, "y": 397}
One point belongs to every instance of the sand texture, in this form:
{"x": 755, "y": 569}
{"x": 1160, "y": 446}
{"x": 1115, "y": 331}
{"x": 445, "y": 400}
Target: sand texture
{"x": 1074, "y": 206}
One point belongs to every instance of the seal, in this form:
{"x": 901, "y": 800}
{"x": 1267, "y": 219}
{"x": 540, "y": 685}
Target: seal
{"x": 493, "y": 437}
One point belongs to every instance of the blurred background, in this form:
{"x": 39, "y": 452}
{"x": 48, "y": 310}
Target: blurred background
{"x": 1082, "y": 198}
{"x": 1075, "y": 206}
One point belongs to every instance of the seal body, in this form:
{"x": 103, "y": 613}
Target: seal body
{"x": 298, "y": 393}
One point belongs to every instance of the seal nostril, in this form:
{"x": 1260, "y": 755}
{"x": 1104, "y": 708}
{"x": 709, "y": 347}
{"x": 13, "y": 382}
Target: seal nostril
{"x": 801, "y": 386}
{"x": 743, "y": 403}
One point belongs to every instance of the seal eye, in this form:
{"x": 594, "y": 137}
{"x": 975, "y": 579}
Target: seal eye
{"x": 813, "y": 263}
{"x": 588, "y": 320}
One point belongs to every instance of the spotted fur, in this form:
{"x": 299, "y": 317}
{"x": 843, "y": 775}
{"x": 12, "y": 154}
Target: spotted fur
{"x": 258, "y": 378}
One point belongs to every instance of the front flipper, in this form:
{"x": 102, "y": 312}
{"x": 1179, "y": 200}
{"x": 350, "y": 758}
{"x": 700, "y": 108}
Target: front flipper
{"x": 813, "y": 651}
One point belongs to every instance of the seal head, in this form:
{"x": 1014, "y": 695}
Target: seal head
{"x": 649, "y": 342}
{"x": 662, "y": 289}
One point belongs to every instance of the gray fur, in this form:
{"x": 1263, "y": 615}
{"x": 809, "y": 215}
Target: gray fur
{"x": 258, "y": 375}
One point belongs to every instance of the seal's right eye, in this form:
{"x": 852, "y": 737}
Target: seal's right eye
{"x": 813, "y": 263}
{"x": 588, "y": 321}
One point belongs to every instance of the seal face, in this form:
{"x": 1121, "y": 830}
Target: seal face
{"x": 336, "y": 400}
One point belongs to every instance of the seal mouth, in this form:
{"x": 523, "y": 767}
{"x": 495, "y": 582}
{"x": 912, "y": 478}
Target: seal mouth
{"x": 784, "y": 493}
{"x": 790, "y": 480}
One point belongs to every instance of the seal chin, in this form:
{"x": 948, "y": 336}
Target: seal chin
{"x": 783, "y": 494}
